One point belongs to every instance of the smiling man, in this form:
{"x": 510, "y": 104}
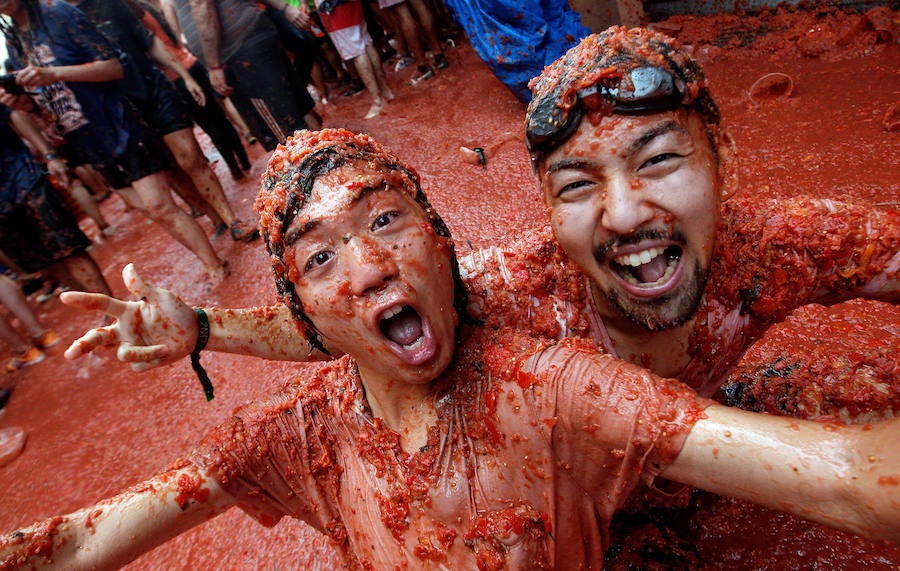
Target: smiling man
{"x": 401, "y": 450}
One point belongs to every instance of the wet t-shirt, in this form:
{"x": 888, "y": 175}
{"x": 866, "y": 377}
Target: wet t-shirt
{"x": 90, "y": 116}
{"x": 534, "y": 448}
{"x": 770, "y": 258}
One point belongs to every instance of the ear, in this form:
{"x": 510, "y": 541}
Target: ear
{"x": 729, "y": 165}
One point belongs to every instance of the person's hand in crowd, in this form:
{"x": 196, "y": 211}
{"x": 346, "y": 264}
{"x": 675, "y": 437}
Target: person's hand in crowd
{"x": 156, "y": 330}
{"x": 297, "y": 16}
{"x": 32, "y": 76}
{"x": 59, "y": 171}
{"x": 195, "y": 90}
{"x": 219, "y": 83}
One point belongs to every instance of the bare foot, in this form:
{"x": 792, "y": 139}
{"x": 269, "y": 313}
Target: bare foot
{"x": 388, "y": 94}
{"x": 375, "y": 109}
{"x": 217, "y": 273}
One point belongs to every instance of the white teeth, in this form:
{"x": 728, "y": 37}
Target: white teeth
{"x": 415, "y": 344}
{"x": 392, "y": 312}
{"x": 638, "y": 259}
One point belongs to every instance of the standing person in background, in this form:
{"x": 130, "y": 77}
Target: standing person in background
{"x": 245, "y": 58}
{"x": 346, "y": 26}
{"x": 74, "y": 71}
{"x": 210, "y": 115}
{"x": 37, "y": 232}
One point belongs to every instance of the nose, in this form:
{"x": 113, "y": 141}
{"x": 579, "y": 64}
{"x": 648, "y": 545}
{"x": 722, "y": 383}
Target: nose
{"x": 624, "y": 206}
{"x": 370, "y": 265}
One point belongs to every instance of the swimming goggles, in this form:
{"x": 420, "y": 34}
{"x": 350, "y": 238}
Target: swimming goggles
{"x": 641, "y": 90}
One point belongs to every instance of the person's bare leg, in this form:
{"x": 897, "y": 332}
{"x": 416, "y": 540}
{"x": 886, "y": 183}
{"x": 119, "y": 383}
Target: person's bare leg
{"x": 363, "y": 65}
{"x": 17, "y": 345}
{"x": 236, "y": 118}
{"x": 12, "y": 297}
{"x": 88, "y": 205}
{"x": 92, "y": 178}
{"x": 409, "y": 30}
{"x": 190, "y": 158}
{"x": 318, "y": 80}
{"x": 86, "y": 273}
{"x": 184, "y": 187}
{"x": 159, "y": 207}
{"x": 380, "y": 76}
{"x": 426, "y": 20}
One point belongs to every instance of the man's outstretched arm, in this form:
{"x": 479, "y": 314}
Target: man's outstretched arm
{"x": 160, "y": 328}
{"x": 846, "y": 477}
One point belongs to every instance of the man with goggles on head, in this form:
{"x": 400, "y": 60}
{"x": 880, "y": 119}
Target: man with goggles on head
{"x": 634, "y": 164}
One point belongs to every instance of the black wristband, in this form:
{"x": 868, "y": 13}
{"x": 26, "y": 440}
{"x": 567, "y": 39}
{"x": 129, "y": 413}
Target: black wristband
{"x": 202, "y": 340}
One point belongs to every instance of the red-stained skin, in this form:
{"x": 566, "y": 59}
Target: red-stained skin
{"x": 110, "y": 428}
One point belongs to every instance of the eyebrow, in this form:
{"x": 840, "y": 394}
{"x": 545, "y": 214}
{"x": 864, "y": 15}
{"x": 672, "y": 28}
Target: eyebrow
{"x": 635, "y": 146}
{"x": 659, "y": 130}
{"x": 296, "y": 232}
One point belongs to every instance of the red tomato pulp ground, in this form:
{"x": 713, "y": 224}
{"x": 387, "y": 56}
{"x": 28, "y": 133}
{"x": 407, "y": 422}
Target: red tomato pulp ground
{"x": 94, "y": 427}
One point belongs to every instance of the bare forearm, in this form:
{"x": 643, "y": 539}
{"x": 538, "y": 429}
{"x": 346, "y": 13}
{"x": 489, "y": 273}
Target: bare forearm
{"x": 116, "y": 531}
{"x": 164, "y": 56}
{"x": 844, "y": 477}
{"x": 93, "y": 72}
{"x": 266, "y": 332}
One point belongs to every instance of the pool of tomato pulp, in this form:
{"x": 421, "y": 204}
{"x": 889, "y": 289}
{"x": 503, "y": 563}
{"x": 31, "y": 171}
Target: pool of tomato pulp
{"x": 825, "y": 123}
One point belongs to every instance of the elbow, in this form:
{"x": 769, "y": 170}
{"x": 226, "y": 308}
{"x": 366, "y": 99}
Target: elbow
{"x": 118, "y": 72}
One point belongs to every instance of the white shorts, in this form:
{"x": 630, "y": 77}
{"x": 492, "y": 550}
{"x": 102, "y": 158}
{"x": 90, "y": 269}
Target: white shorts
{"x": 351, "y": 42}
{"x": 388, "y": 3}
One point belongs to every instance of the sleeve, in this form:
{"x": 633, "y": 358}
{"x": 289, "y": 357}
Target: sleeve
{"x": 528, "y": 285}
{"x": 807, "y": 251}
{"x": 267, "y": 456}
{"x": 613, "y": 423}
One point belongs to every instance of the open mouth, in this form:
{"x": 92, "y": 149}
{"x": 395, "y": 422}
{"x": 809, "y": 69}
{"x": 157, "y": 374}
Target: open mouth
{"x": 648, "y": 268}
{"x": 402, "y": 325}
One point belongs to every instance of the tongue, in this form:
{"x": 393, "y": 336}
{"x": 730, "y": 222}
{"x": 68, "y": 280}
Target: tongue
{"x": 652, "y": 270}
{"x": 404, "y": 328}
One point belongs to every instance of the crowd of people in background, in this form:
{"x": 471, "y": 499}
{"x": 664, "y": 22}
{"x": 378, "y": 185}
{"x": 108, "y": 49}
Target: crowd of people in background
{"x": 111, "y": 92}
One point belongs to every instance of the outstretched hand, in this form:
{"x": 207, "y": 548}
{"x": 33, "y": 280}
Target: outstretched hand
{"x": 156, "y": 330}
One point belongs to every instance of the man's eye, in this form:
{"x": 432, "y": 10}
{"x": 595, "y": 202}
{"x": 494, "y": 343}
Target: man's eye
{"x": 659, "y": 159}
{"x": 384, "y": 219}
{"x": 572, "y": 188}
{"x": 317, "y": 259}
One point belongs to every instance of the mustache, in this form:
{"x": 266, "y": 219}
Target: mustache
{"x": 636, "y": 237}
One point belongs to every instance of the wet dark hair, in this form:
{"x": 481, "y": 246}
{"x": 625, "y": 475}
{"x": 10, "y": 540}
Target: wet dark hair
{"x": 287, "y": 186}
{"x": 608, "y": 60}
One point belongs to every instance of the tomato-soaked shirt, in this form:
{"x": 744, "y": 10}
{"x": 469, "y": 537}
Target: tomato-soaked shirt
{"x": 770, "y": 258}
{"x": 534, "y": 448}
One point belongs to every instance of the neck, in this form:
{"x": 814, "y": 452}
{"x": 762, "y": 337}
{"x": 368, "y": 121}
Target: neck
{"x": 406, "y": 408}
{"x": 665, "y": 352}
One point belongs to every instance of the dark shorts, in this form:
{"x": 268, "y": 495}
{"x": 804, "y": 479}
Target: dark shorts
{"x": 40, "y": 230}
{"x": 164, "y": 111}
{"x": 140, "y": 159}
{"x": 72, "y": 156}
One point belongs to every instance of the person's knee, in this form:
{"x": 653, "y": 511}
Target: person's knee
{"x": 186, "y": 151}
